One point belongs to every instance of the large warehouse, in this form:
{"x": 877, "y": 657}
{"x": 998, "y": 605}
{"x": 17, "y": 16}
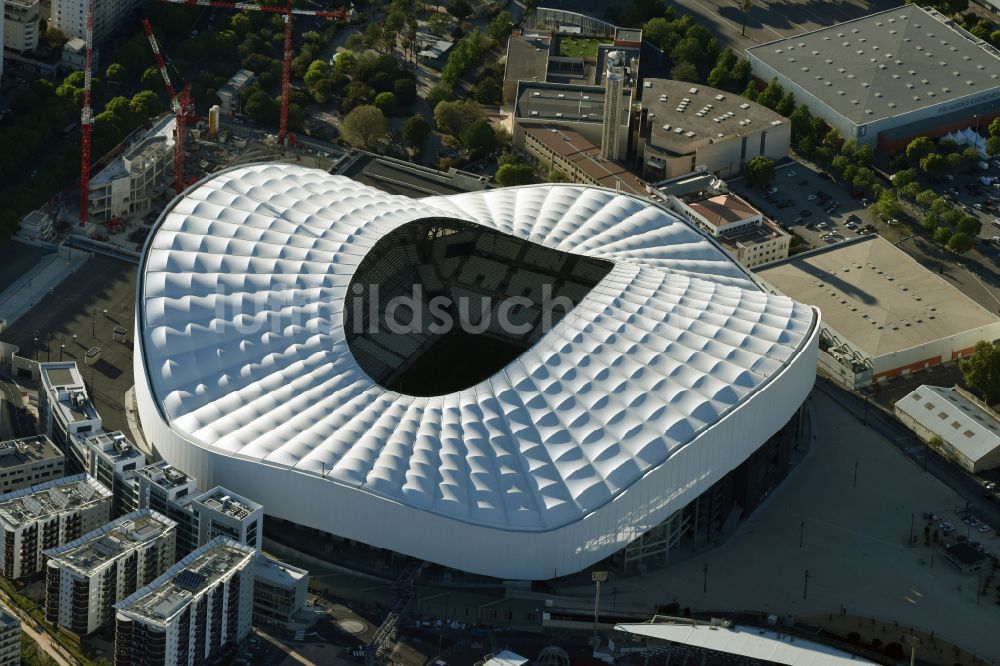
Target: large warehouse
{"x": 888, "y": 77}
{"x": 884, "y": 314}
{"x": 662, "y": 390}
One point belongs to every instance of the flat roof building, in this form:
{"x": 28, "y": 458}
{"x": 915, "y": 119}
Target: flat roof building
{"x": 20, "y": 28}
{"x": 222, "y": 512}
{"x": 229, "y": 95}
{"x": 884, "y": 314}
{"x": 279, "y": 591}
{"x": 87, "y": 576}
{"x": 10, "y": 638}
{"x": 968, "y": 429}
{"x": 683, "y": 126}
{"x": 64, "y": 408}
{"x": 578, "y": 158}
{"x": 112, "y": 459}
{"x": 47, "y": 515}
{"x": 27, "y": 461}
{"x": 886, "y": 71}
{"x": 164, "y": 488}
{"x": 189, "y": 613}
{"x": 965, "y": 556}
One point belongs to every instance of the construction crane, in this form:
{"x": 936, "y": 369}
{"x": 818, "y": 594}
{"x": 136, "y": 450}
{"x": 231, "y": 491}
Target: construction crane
{"x": 182, "y": 105}
{"x": 287, "y": 11}
{"x": 86, "y": 118}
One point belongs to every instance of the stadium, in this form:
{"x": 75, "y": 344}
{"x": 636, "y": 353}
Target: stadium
{"x": 515, "y": 383}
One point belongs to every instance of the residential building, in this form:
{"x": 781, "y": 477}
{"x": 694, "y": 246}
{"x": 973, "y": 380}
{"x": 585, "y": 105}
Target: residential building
{"x": 45, "y": 516}
{"x": 20, "y": 26}
{"x": 27, "y": 461}
{"x": 223, "y": 513}
{"x": 887, "y": 77}
{"x": 579, "y": 159}
{"x": 131, "y": 183}
{"x": 684, "y": 126}
{"x": 968, "y": 429}
{"x": 70, "y": 16}
{"x": 64, "y": 409}
{"x": 113, "y": 460}
{"x": 74, "y": 54}
{"x": 10, "y": 638}
{"x": 739, "y": 227}
{"x": 191, "y": 612}
{"x": 87, "y": 576}
{"x": 279, "y": 591}
{"x": 166, "y": 489}
{"x": 433, "y": 51}
{"x": 230, "y": 95}
{"x": 884, "y": 314}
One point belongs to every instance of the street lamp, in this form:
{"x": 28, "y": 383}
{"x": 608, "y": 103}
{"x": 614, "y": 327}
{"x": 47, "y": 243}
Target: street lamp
{"x": 855, "y": 484}
{"x": 805, "y": 586}
{"x": 704, "y": 585}
{"x": 802, "y": 531}
{"x": 36, "y": 349}
{"x": 598, "y": 577}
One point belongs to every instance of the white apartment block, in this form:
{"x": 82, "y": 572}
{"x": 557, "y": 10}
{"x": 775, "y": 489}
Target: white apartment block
{"x": 188, "y": 614}
{"x": 86, "y": 577}
{"x": 279, "y": 591}
{"x": 20, "y": 26}
{"x": 10, "y": 638}
{"x": 113, "y": 460}
{"x": 224, "y": 513}
{"x": 27, "y": 461}
{"x": 164, "y": 488}
{"x": 70, "y": 16}
{"x": 129, "y": 185}
{"x": 64, "y": 409}
{"x": 46, "y": 516}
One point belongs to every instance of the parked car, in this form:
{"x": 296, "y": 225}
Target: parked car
{"x": 792, "y": 173}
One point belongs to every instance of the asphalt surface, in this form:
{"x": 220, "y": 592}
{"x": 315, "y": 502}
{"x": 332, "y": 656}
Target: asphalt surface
{"x": 903, "y": 439}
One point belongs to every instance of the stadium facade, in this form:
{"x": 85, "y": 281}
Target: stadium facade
{"x": 532, "y": 447}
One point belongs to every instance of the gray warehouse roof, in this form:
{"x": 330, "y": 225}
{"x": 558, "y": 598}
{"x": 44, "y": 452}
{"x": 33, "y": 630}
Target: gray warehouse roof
{"x": 959, "y": 419}
{"x": 886, "y": 64}
{"x": 553, "y": 102}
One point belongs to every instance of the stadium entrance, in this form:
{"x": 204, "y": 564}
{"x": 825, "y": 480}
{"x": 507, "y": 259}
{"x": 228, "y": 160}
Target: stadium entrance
{"x": 439, "y": 305}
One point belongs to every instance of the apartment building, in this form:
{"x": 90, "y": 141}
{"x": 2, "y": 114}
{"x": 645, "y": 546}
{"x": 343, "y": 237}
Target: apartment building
{"x": 279, "y": 591}
{"x": 48, "y": 515}
{"x": 64, "y": 408}
{"x": 70, "y": 16}
{"x": 188, "y": 614}
{"x": 221, "y": 512}
{"x": 86, "y": 577}
{"x": 113, "y": 460}
{"x": 10, "y": 638}
{"x": 164, "y": 488}
{"x": 20, "y": 26}
{"x": 27, "y": 461}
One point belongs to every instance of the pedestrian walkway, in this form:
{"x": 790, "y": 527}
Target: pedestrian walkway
{"x": 39, "y": 281}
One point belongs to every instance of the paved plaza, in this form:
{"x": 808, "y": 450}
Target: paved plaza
{"x": 854, "y": 546}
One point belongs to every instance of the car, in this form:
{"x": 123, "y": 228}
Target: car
{"x": 977, "y": 206}
{"x": 946, "y": 527}
{"x": 798, "y": 220}
{"x": 973, "y": 521}
{"x": 949, "y": 177}
{"x": 772, "y": 189}
{"x": 811, "y": 197}
{"x": 984, "y": 528}
{"x": 822, "y": 225}
{"x": 792, "y": 173}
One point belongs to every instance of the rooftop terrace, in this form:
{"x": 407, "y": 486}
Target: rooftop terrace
{"x": 91, "y": 551}
{"x": 43, "y": 500}
{"x": 17, "y": 452}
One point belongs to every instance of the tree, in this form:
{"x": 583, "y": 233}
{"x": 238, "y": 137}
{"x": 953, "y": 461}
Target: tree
{"x": 903, "y": 178}
{"x": 926, "y": 198}
{"x": 993, "y": 145}
{"x": 887, "y": 206}
{"x": 405, "y": 89}
{"x": 969, "y": 225}
{"x": 386, "y": 103}
{"x": 478, "y": 138}
{"x": 115, "y": 72}
{"x": 501, "y": 26}
{"x": 514, "y": 174}
{"x": 942, "y": 235}
{"x": 995, "y": 127}
{"x": 439, "y": 24}
{"x": 453, "y": 117}
{"x": 760, "y": 171}
{"x": 459, "y": 8}
{"x": 932, "y": 163}
{"x": 929, "y": 223}
{"x": 981, "y": 370}
{"x": 487, "y": 91}
{"x": 261, "y": 107}
{"x": 144, "y": 105}
{"x": 684, "y": 71}
{"x": 960, "y": 243}
{"x": 438, "y": 94}
{"x": 150, "y": 77}
{"x": 363, "y": 127}
{"x": 918, "y": 149}
{"x": 745, "y": 7}
{"x": 416, "y": 130}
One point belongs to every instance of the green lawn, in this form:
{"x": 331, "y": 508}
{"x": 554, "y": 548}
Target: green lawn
{"x": 578, "y": 47}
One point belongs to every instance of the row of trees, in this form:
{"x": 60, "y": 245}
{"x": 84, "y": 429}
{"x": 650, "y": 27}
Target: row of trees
{"x": 691, "y": 50}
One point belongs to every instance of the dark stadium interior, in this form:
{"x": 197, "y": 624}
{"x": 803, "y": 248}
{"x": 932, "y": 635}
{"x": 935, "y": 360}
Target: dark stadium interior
{"x": 439, "y": 305}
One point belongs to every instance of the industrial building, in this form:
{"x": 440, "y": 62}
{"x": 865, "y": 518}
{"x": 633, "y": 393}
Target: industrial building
{"x": 572, "y": 154}
{"x": 64, "y": 408}
{"x": 191, "y": 612}
{"x": 884, "y": 314}
{"x": 230, "y": 95}
{"x": 129, "y": 185}
{"x": 48, "y": 515}
{"x": 20, "y": 26}
{"x": 27, "y": 461}
{"x": 86, "y": 577}
{"x": 682, "y": 126}
{"x": 113, "y": 460}
{"x": 743, "y": 230}
{"x": 969, "y": 429}
{"x": 70, "y": 16}
{"x": 10, "y": 638}
{"x": 887, "y": 77}
{"x": 540, "y": 444}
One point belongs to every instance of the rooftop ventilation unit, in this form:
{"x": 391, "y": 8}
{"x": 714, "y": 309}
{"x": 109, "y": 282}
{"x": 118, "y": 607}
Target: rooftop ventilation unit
{"x": 720, "y": 97}
{"x": 586, "y": 98}
{"x": 561, "y": 95}
{"x": 689, "y": 135}
{"x": 648, "y": 84}
{"x": 666, "y": 127}
{"x": 558, "y": 114}
{"x": 536, "y": 94}
{"x": 534, "y": 113}
{"x": 678, "y": 130}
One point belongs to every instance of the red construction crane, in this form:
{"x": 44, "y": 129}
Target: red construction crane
{"x": 340, "y": 14}
{"x": 86, "y": 119}
{"x": 182, "y": 106}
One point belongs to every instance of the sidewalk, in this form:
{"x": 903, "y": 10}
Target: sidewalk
{"x": 39, "y": 282}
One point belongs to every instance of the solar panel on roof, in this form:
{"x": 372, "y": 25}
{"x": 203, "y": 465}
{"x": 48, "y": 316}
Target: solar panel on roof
{"x": 190, "y": 580}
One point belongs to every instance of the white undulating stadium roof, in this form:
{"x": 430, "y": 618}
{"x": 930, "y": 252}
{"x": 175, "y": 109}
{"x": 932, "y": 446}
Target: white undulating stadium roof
{"x": 667, "y": 375}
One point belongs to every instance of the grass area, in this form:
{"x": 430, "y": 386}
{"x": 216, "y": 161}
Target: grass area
{"x": 578, "y": 47}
